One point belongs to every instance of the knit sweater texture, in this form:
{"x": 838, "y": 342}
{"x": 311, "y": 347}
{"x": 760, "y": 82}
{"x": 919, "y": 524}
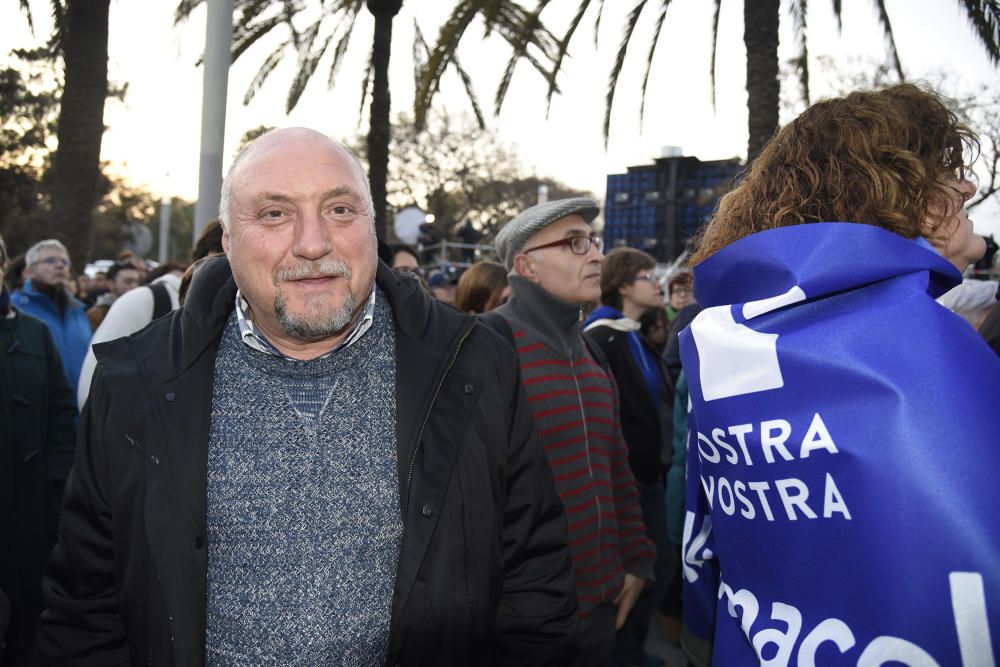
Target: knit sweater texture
{"x": 304, "y": 525}
{"x": 574, "y": 402}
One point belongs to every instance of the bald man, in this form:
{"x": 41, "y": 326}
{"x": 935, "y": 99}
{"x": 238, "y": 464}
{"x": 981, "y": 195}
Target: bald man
{"x": 311, "y": 463}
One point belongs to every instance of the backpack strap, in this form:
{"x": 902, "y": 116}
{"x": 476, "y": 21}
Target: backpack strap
{"x": 161, "y": 300}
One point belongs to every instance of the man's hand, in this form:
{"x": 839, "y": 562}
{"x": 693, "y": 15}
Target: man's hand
{"x": 627, "y": 596}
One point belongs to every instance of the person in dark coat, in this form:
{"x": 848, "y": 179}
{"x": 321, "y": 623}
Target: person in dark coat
{"x": 37, "y": 414}
{"x": 311, "y": 462}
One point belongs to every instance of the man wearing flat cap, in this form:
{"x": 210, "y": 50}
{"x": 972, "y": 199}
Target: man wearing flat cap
{"x": 554, "y": 259}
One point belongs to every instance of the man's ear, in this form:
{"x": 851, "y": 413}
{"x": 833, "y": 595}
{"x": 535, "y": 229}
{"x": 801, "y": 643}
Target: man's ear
{"x": 524, "y": 267}
{"x": 225, "y": 241}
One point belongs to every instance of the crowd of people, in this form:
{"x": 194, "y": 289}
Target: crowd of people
{"x": 302, "y": 450}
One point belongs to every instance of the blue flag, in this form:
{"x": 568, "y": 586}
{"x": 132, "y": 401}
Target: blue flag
{"x": 843, "y": 480}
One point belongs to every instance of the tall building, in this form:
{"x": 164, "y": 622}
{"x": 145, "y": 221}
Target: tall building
{"x": 658, "y": 207}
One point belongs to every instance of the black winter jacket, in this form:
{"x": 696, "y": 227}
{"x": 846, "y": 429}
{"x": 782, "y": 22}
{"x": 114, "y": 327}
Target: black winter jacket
{"x": 647, "y": 427}
{"x": 37, "y": 430}
{"x": 484, "y": 574}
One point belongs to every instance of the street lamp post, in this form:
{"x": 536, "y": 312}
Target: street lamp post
{"x": 218, "y": 38}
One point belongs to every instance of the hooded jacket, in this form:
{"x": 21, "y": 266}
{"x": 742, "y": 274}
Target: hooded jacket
{"x": 70, "y": 330}
{"x": 841, "y": 487}
{"x": 646, "y": 420}
{"x": 484, "y": 573}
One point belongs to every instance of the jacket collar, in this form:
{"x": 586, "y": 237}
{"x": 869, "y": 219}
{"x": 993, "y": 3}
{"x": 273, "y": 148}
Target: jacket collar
{"x": 606, "y": 316}
{"x": 29, "y": 292}
{"x": 555, "y": 321}
{"x": 212, "y": 297}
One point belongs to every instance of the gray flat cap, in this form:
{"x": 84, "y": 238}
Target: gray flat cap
{"x": 516, "y": 233}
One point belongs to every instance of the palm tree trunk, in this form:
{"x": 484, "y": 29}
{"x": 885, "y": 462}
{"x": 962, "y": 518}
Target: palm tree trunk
{"x": 760, "y": 35}
{"x": 379, "y": 130}
{"x": 76, "y": 165}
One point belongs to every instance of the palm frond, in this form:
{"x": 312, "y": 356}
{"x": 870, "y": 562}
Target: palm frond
{"x": 890, "y": 40}
{"x": 715, "y": 46}
{"x": 649, "y": 59}
{"x": 265, "y": 70}
{"x": 506, "y": 77}
{"x": 288, "y": 11}
{"x": 448, "y": 38}
{"x": 26, "y": 9}
{"x": 345, "y": 28}
{"x": 563, "y": 50}
{"x": 985, "y": 18}
{"x": 597, "y": 23}
{"x": 308, "y": 60}
{"x": 489, "y": 11}
{"x": 420, "y": 53}
{"x": 184, "y": 9}
{"x": 246, "y": 35}
{"x": 469, "y": 92}
{"x": 250, "y": 10}
{"x": 799, "y": 9}
{"x": 630, "y": 24}
{"x": 519, "y": 46}
{"x": 511, "y": 21}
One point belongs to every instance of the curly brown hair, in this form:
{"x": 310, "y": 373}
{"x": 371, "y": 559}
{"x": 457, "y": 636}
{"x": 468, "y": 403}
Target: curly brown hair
{"x": 874, "y": 157}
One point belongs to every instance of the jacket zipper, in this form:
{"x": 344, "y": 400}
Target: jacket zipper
{"x": 427, "y": 416}
{"x": 586, "y": 437}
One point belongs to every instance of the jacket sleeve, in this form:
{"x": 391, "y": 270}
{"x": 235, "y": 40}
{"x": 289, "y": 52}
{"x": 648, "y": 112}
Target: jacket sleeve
{"x": 637, "y": 551}
{"x": 81, "y": 624}
{"x": 538, "y": 620}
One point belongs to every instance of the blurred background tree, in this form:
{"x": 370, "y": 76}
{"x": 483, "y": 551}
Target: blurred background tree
{"x": 457, "y": 172}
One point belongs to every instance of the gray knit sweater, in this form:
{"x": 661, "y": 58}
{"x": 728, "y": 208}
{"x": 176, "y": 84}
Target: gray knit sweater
{"x": 303, "y": 503}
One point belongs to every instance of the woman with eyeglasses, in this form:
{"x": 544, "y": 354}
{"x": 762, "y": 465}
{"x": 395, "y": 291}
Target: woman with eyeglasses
{"x": 843, "y": 433}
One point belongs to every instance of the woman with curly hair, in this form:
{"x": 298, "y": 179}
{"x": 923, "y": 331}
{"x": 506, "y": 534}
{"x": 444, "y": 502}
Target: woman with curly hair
{"x": 841, "y": 494}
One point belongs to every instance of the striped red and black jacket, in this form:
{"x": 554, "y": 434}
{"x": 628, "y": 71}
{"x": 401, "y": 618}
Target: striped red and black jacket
{"x": 575, "y": 406}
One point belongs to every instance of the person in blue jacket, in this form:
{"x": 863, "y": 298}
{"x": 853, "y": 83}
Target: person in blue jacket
{"x": 44, "y": 296}
{"x": 841, "y": 504}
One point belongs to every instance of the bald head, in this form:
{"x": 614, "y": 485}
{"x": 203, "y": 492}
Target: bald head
{"x": 281, "y": 139}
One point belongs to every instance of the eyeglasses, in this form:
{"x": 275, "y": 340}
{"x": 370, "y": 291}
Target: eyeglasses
{"x": 54, "y": 261}
{"x": 646, "y": 276}
{"x": 681, "y": 291}
{"x": 580, "y": 245}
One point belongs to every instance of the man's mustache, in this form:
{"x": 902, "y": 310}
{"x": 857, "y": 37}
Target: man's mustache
{"x": 324, "y": 268}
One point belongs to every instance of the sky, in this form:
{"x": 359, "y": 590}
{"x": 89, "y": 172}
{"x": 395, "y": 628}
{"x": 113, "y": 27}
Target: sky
{"x": 153, "y": 136}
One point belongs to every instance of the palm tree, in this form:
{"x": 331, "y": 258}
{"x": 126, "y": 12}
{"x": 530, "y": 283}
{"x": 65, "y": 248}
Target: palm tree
{"x": 760, "y": 35}
{"x": 81, "y": 37}
{"x": 311, "y": 32}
